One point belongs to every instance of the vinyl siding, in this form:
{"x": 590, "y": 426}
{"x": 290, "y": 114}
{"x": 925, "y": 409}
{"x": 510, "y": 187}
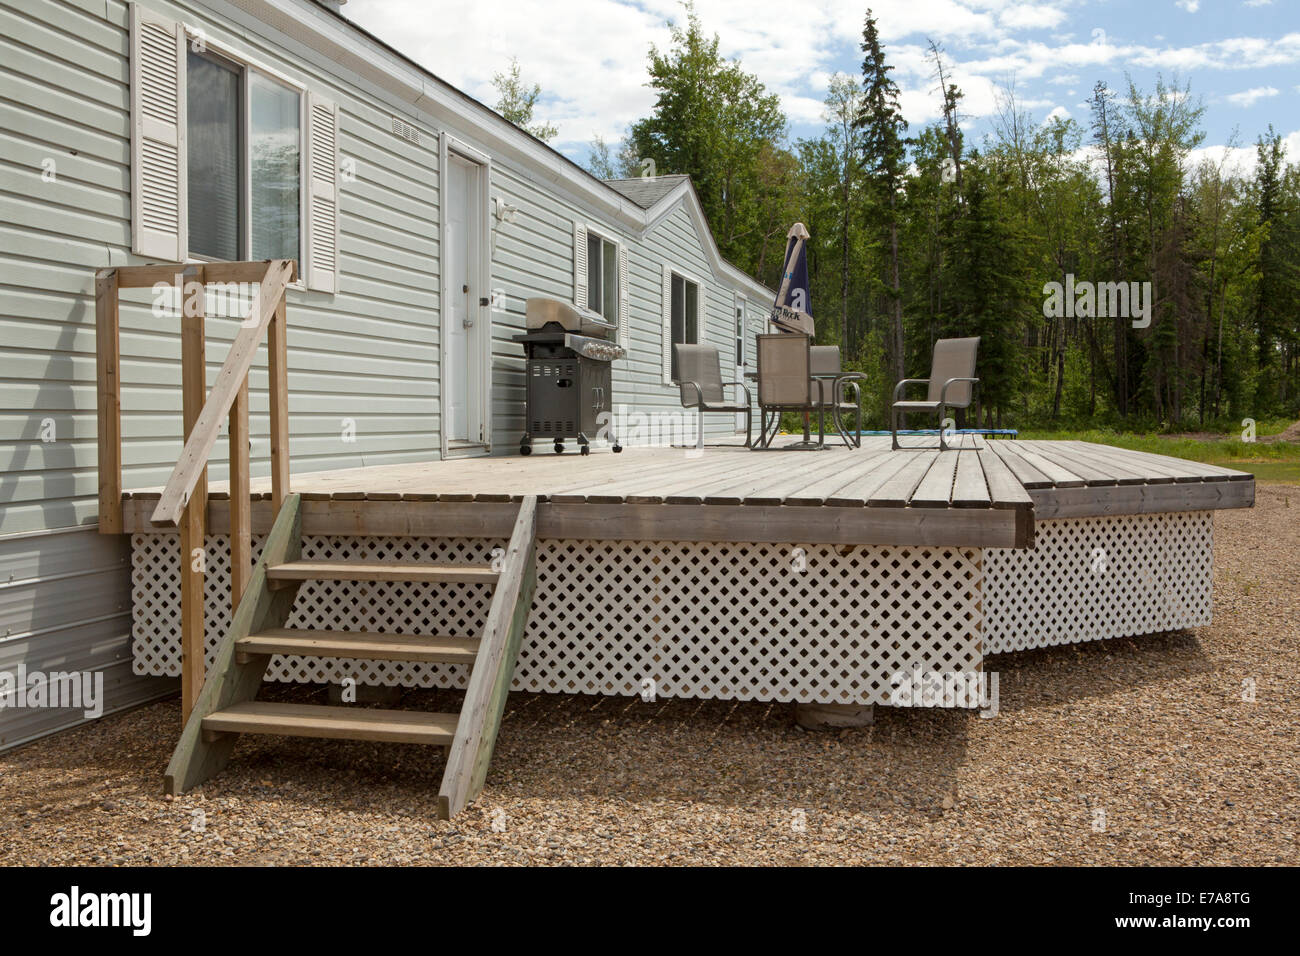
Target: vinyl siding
{"x": 369, "y": 353}
{"x": 65, "y": 605}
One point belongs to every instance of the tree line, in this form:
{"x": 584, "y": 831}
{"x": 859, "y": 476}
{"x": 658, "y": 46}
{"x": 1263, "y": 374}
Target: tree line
{"x": 1111, "y": 278}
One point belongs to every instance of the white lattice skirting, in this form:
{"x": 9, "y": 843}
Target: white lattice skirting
{"x": 810, "y": 623}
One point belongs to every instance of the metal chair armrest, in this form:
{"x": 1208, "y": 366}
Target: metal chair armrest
{"x": 699, "y": 394}
{"x": 943, "y": 392}
{"x": 898, "y": 389}
{"x": 743, "y": 387}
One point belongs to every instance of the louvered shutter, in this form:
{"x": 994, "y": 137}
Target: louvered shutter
{"x": 668, "y": 326}
{"x": 158, "y": 224}
{"x": 579, "y": 265}
{"x": 322, "y": 194}
{"x": 624, "y": 332}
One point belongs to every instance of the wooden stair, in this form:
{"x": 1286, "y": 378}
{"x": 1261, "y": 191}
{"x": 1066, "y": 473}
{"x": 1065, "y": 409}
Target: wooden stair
{"x": 360, "y": 645}
{"x": 340, "y": 723}
{"x": 296, "y": 572}
{"x": 226, "y": 706}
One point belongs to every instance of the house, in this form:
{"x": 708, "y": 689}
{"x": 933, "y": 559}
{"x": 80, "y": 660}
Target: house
{"x": 395, "y": 229}
{"x": 159, "y": 131}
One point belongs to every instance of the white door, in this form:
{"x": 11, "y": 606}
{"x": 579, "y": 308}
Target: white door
{"x": 462, "y": 332}
{"x": 742, "y": 345}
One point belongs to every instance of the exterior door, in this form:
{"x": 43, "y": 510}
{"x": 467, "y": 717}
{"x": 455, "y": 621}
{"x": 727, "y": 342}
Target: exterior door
{"x": 742, "y": 347}
{"x": 463, "y": 334}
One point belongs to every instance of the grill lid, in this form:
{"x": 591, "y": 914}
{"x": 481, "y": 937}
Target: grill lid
{"x": 540, "y": 311}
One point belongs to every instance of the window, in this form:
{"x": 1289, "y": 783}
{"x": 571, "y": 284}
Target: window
{"x": 685, "y": 315}
{"x": 602, "y": 276}
{"x": 244, "y": 138}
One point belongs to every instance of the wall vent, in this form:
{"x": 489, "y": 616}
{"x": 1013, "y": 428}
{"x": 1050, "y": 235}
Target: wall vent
{"x": 406, "y": 131}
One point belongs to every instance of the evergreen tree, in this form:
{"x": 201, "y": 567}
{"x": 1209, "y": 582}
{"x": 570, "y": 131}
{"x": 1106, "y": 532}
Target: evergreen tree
{"x": 884, "y": 150}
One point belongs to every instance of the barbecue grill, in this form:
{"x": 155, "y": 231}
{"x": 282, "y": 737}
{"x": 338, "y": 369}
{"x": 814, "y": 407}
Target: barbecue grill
{"x": 569, "y": 351}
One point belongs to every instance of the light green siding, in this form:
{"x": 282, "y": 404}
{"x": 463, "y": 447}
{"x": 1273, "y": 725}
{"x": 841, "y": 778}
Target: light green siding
{"x": 369, "y": 353}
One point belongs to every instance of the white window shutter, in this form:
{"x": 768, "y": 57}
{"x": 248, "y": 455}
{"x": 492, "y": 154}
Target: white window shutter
{"x": 579, "y": 265}
{"x": 158, "y": 223}
{"x": 322, "y": 267}
{"x": 668, "y": 326}
{"x": 624, "y": 333}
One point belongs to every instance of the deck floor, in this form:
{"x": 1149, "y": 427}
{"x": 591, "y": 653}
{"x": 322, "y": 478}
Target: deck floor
{"x": 994, "y": 485}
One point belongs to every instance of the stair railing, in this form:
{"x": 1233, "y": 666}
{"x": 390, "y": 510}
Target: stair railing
{"x": 184, "y": 500}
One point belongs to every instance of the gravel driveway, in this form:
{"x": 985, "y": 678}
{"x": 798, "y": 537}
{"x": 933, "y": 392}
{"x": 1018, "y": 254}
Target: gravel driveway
{"x": 1128, "y": 751}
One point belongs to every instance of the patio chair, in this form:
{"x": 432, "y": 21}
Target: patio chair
{"x": 951, "y": 384}
{"x": 833, "y": 393}
{"x": 699, "y": 376}
{"x": 784, "y": 382}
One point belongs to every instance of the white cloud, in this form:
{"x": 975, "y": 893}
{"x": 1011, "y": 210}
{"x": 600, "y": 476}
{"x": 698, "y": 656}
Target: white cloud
{"x": 1191, "y": 6}
{"x": 1248, "y": 98}
{"x": 1035, "y": 16}
{"x": 1258, "y": 3}
{"x": 1059, "y": 112}
{"x": 590, "y": 57}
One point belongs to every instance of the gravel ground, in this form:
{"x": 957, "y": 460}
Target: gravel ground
{"x": 1154, "y": 732}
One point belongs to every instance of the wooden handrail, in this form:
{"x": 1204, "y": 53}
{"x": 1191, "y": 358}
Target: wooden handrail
{"x": 231, "y": 378}
{"x": 184, "y": 500}
{"x": 494, "y": 667}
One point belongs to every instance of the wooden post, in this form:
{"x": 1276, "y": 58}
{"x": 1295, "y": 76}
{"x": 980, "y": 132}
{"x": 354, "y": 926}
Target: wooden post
{"x": 241, "y": 518}
{"x": 109, "y": 380}
{"x": 278, "y": 383}
{"x": 194, "y": 389}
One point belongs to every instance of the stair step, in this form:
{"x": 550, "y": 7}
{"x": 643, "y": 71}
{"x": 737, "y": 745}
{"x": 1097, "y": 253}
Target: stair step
{"x": 292, "y": 571}
{"x": 338, "y": 723}
{"x": 361, "y": 645}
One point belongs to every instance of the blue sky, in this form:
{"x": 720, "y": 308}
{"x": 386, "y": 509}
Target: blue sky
{"x": 1242, "y": 57}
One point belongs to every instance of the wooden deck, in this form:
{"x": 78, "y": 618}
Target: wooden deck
{"x": 982, "y": 494}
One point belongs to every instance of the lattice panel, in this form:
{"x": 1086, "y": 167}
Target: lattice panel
{"x": 747, "y": 621}
{"x": 1087, "y": 579}
{"x": 807, "y": 623}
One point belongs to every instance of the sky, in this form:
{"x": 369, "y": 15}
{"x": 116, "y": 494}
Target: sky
{"x": 1241, "y": 57}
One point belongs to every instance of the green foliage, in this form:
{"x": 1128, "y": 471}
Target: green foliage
{"x": 719, "y": 124}
{"x": 516, "y": 101}
{"x": 915, "y": 237}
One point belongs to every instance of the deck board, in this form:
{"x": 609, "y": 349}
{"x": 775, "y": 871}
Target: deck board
{"x": 824, "y": 488}
{"x": 898, "y": 490}
{"x": 1092, "y": 470}
{"x": 1005, "y": 489}
{"x": 970, "y": 489}
{"x": 977, "y": 492}
{"x": 1060, "y": 476}
{"x": 935, "y": 488}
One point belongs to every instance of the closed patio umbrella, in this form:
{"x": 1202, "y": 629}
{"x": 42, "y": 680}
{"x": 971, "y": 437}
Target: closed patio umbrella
{"x": 792, "y": 310}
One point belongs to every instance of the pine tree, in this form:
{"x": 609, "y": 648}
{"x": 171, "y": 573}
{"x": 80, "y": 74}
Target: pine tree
{"x": 884, "y": 149}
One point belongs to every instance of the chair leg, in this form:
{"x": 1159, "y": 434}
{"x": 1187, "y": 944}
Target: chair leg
{"x": 943, "y": 446}
{"x": 699, "y": 427}
{"x": 749, "y": 428}
{"x": 893, "y": 426}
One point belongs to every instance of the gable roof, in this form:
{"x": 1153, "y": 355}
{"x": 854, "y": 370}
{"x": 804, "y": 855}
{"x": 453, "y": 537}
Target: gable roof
{"x": 645, "y": 191}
